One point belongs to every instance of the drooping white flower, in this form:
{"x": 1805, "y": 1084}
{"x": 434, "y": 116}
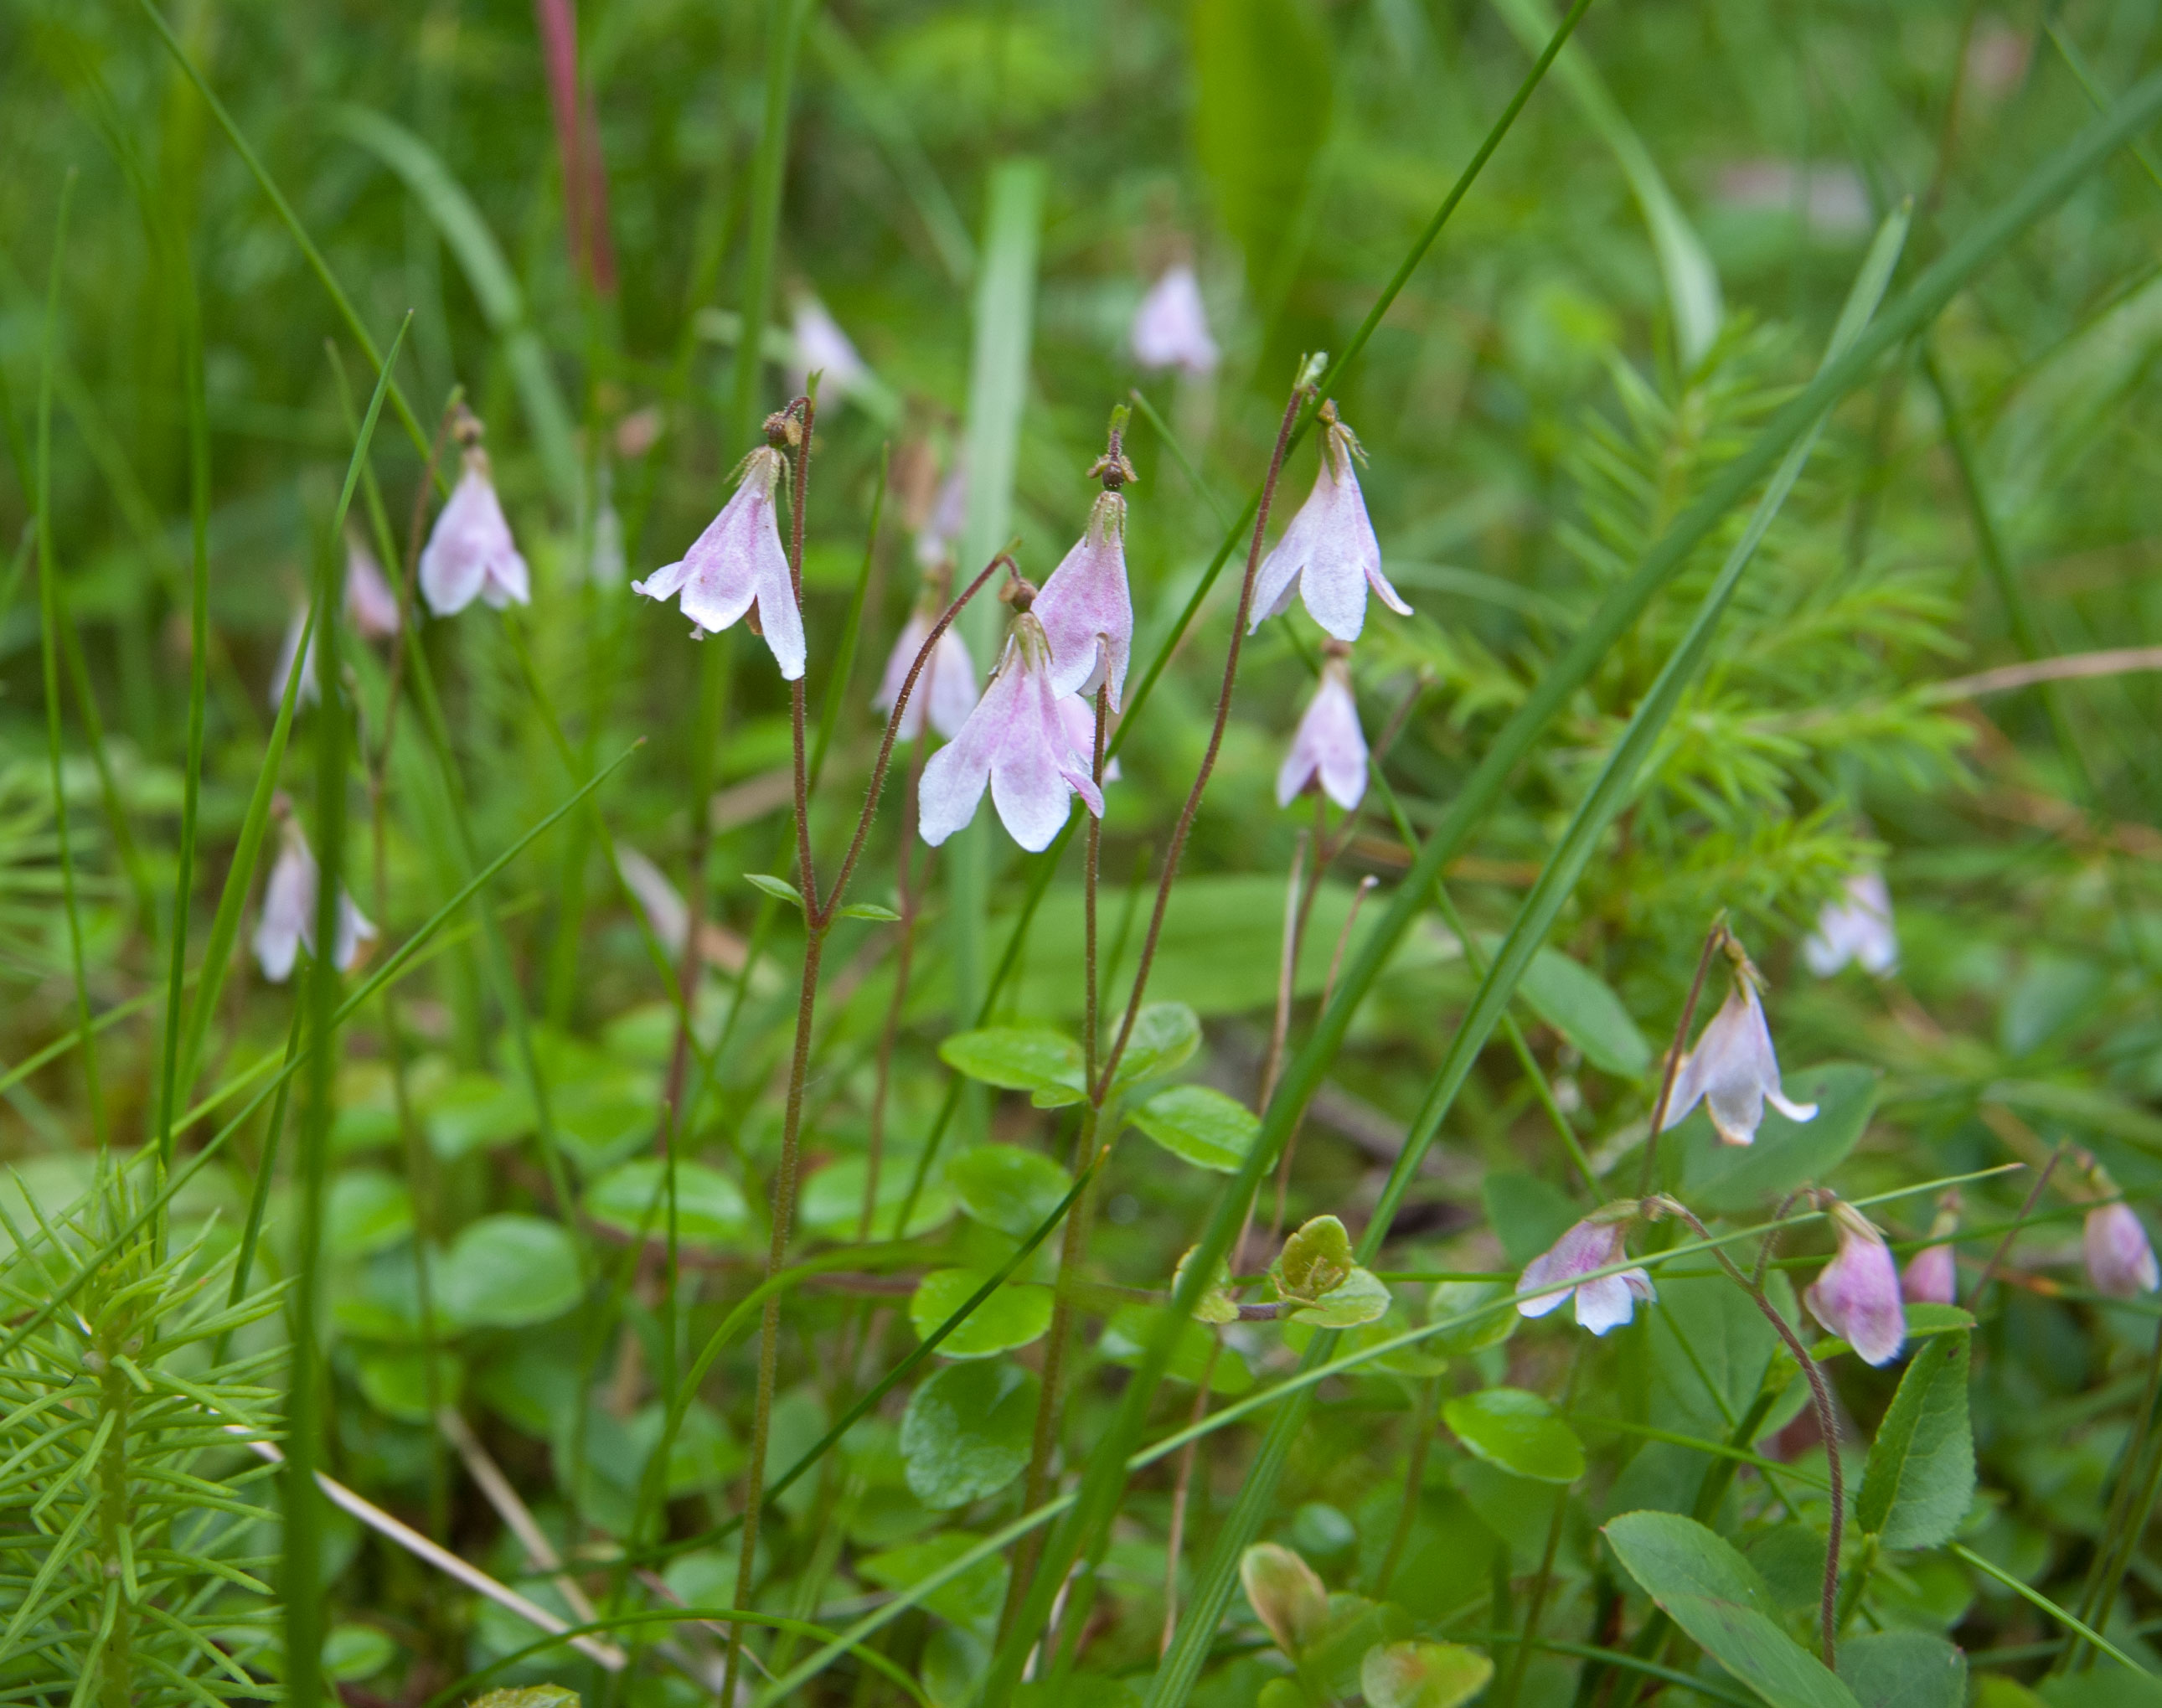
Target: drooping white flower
{"x": 1733, "y": 1071}
{"x": 949, "y": 514}
{"x": 288, "y": 650}
{"x": 1857, "y": 928}
{"x": 822, "y": 347}
{"x": 1016, "y": 742}
{"x": 737, "y": 563}
{"x": 945, "y": 691}
{"x": 1079, "y": 716}
{"x": 288, "y": 924}
{"x": 1856, "y": 1295}
{"x": 2120, "y": 1259}
{"x": 1329, "y": 556}
{"x": 371, "y": 608}
{"x": 1171, "y": 327}
{"x": 1086, "y": 608}
{"x": 1554, "y": 1277}
{"x": 470, "y": 555}
{"x": 1328, "y": 748}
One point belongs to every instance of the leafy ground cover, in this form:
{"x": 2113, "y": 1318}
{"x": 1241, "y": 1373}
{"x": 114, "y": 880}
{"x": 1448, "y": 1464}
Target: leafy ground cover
{"x": 1512, "y": 1057}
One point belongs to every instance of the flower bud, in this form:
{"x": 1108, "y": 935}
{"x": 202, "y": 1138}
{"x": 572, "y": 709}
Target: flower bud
{"x": 1328, "y": 750}
{"x": 1292, "y": 1601}
{"x": 1856, "y": 1295}
{"x": 2120, "y": 1260}
{"x": 1086, "y": 610}
{"x": 1932, "y": 1274}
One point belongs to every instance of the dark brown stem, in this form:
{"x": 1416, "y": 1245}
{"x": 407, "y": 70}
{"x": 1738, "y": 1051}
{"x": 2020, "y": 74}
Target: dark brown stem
{"x": 1185, "y": 815}
{"x": 1092, "y": 868}
{"x": 1712, "y": 940}
{"x": 904, "y": 893}
{"x": 1180, "y": 1494}
{"x": 824, "y": 915}
{"x": 799, "y": 487}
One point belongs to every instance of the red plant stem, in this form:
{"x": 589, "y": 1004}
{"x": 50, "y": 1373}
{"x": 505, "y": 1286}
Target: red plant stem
{"x": 1186, "y": 816}
{"x": 578, "y": 143}
{"x": 1712, "y": 939}
{"x": 904, "y": 893}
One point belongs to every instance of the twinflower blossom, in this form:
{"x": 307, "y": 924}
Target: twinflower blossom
{"x": 1594, "y": 1243}
{"x": 1016, "y": 741}
{"x": 1171, "y": 327}
{"x": 1328, "y": 748}
{"x": 1086, "y": 610}
{"x": 738, "y": 563}
{"x": 1931, "y": 1275}
{"x": 1733, "y": 1070}
{"x": 822, "y": 347}
{"x": 288, "y": 924}
{"x": 371, "y": 608}
{"x": 2120, "y": 1260}
{"x": 1856, "y": 1295}
{"x": 1857, "y": 928}
{"x": 1079, "y": 716}
{"x": 945, "y": 691}
{"x": 470, "y": 555}
{"x": 1329, "y": 556}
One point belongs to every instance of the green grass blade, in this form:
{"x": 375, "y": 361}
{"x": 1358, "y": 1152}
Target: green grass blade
{"x": 784, "y": 34}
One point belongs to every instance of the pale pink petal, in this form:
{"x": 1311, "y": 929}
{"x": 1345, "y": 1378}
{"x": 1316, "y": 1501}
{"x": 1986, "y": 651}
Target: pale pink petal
{"x": 471, "y": 554}
{"x": 1079, "y": 718}
{"x": 1603, "y": 1304}
{"x": 1033, "y": 767}
{"x": 2120, "y": 1259}
{"x": 1733, "y": 1069}
{"x": 1086, "y": 608}
{"x": 1857, "y": 1296}
{"x": 955, "y": 777}
{"x": 738, "y": 561}
{"x": 898, "y": 664}
{"x": 1329, "y": 744}
{"x": 307, "y": 693}
{"x": 1932, "y": 1278}
{"x": 1277, "y": 582}
{"x": 1171, "y": 327}
{"x": 822, "y": 347}
{"x": 949, "y": 684}
{"x": 289, "y": 907}
{"x": 370, "y": 605}
{"x": 354, "y": 929}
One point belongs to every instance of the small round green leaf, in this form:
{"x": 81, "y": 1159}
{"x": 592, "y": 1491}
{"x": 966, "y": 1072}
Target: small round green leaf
{"x": 1360, "y": 1297}
{"x": 1422, "y": 1675}
{"x": 1461, "y": 1298}
{"x": 709, "y": 1206}
{"x": 394, "y": 1381}
{"x": 369, "y": 1210}
{"x": 1165, "y": 1035}
{"x": 1517, "y": 1432}
{"x": 474, "y": 1112}
{"x": 1200, "y": 1125}
{"x": 505, "y": 1271}
{"x": 1016, "y": 1057}
{"x": 1007, "y": 1188}
{"x": 1314, "y": 1261}
{"x": 1292, "y": 1601}
{"x": 1014, "y": 1315}
{"x": 779, "y": 888}
{"x": 353, "y": 1654}
{"x": 967, "y": 1431}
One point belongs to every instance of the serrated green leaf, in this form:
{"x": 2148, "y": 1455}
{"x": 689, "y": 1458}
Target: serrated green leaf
{"x": 1200, "y": 1125}
{"x": 967, "y": 1431}
{"x": 1920, "y": 1477}
{"x": 1165, "y": 1036}
{"x": 1014, "y": 1315}
{"x": 1518, "y": 1432}
{"x": 779, "y": 888}
{"x": 1017, "y": 1058}
{"x": 1007, "y": 1188}
{"x": 1718, "y": 1599}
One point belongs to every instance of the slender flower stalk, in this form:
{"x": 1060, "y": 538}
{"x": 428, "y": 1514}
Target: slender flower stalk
{"x": 948, "y": 693}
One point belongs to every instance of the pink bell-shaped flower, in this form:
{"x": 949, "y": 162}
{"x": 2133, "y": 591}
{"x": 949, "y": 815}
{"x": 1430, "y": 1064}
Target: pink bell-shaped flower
{"x": 1329, "y": 556}
{"x": 1171, "y": 327}
{"x": 1857, "y": 928}
{"x": 2120, "y": 1260}
{"x": 1733, "y": 1071}
{"x": 1016, "y": 741}
{"x": 470, "y": 555}
{"x": 945, "y": 691}
{"x": 1856, "y": 1295}
{"x": 1079, "y": 716}
{"x": 822, "y": 347}
{"x": 1932, "y": 1274}
{"x": 1329, "y": 749}
{"x": 1555, "y": 1276}
{"x": 738, "y": 563}
{"x": 1086, "y": 610}
{"x": 288, "y": 924}
{"x": 371, "y": 608}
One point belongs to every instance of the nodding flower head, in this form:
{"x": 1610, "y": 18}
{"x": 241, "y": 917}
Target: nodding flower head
{"x": 2120, "y": 1260}
{"x": 1328, "y": 750}
{"x": 946, "y": 690}
{"x": 288, "y": 924}
{"x": 1171, "y": 327}
{"x": 1016, "y": 741}
{"x": 738, "y": 563}
{"x": 1857, "y": 927}
{"x": 822, "y": 347}
{"x": 470, "y": 555}
{"x": 1079, "y": 716}
{"x": 1856, "y": 1295}
{"x": 1086, "y": 610}
{"x": 1329, "y": 556}
{"x": 371, "y": 608}
{"x": 1555, "y": 1276}
{"x": 1932, "y": 1276}
{"x": 1733, "y": 1070}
